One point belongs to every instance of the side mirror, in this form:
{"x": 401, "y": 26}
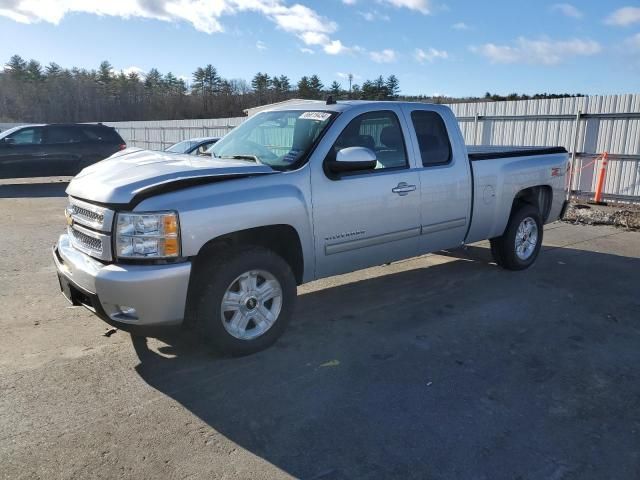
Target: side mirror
{"x": 353, "y": 159}
{"x": 8, "y": 141}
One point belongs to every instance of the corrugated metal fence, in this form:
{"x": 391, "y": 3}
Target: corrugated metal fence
{"x": 585, "y": 126}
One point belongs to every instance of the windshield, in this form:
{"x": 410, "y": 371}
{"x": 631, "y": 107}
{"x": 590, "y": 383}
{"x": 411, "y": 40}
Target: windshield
{"x": 180, "y": 147}
{"x": 279, "y": 139}
{"x": 6, "y": 133}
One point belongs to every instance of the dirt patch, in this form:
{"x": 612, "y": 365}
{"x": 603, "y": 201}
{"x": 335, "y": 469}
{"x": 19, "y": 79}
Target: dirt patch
{"x": 625, "y": 216}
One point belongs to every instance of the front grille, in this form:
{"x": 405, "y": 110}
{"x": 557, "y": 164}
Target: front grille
{"x": 93, "y": 216}
{"x": 89, "y": 226}
{"x": 84, "y": 240}
{"x": 95, "y": 244}
{"x": 78, "y": 211}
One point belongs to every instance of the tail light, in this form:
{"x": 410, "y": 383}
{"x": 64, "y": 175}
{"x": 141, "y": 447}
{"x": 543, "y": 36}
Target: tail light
{"x": 122, "y": 146}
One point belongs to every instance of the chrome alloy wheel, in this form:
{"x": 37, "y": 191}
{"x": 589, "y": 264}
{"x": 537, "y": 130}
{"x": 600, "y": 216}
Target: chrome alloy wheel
{"x": 251, "y": 304}
{"x": 526, "y": 238}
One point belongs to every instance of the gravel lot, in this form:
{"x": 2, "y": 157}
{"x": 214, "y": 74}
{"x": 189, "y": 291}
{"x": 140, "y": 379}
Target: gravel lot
{"x": 439, "y": 367}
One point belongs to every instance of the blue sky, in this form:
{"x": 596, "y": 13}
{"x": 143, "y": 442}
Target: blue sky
{"x": 450, "y": 47}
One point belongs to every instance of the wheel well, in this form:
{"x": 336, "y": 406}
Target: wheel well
{"x": 539, "y": 196}
{"x": 282, "y": 239}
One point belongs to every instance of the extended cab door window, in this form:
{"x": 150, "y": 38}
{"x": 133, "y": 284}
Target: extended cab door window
{"x": 378, "y": 131}
{"x": 432, "y": 136}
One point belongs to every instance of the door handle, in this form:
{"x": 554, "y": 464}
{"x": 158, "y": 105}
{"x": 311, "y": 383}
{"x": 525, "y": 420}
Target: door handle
{"x": 403, "y": 189}
{"x": 40, "y": 155}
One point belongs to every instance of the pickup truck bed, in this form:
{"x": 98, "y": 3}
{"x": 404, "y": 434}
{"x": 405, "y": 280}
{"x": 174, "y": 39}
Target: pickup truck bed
{"x": 486, "y": 152}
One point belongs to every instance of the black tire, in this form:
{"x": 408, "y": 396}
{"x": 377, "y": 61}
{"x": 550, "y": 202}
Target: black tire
{"x": 503, "y": 248}
{"x": 216, "y": 276}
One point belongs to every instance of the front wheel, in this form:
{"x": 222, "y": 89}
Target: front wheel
{"x": 245, "y": 299}
{"x": 520, "y": 244}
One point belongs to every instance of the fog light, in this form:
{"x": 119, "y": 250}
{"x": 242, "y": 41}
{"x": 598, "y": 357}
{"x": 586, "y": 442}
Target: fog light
{"x": 124, "y": 312}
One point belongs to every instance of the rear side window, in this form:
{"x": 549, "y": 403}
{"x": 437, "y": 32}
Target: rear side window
{"x": 378, "y": 131}
{"x": 64, "y": 134}
{"x": 433, "y": 140}
{"x": 101, "y": 134}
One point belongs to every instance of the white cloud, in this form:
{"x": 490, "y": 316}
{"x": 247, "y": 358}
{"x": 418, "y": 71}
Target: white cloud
{"x": 133, "y": 69}
{"x": 314, "y": 38}
{"x": 307, "y": 50}
{"x": 624, "y": 17}
{"x": 429, "y": 55}
{"x": 542, "y": 51}
{"x": 260, "y": 45}
{"x": 422, "y": 6}
{"x": 374, "y": 15}
{"x": 204, "y": 15}
{"x": 460, "y": 26}
{"x": 383, "y": 56}
{"x": 335, "y": 47}
{"x": 567, "y": 10}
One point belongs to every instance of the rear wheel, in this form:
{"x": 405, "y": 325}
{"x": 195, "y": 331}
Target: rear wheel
{"x": 245, "y": 299}
{"x": 520, "y": 244}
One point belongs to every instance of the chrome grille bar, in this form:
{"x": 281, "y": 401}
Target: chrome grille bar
{"x": 89, "y": 215}
{"x": 95, "y": 244}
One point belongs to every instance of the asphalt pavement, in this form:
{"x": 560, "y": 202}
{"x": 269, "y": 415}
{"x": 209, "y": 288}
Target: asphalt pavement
{"x": 440, "y": 367}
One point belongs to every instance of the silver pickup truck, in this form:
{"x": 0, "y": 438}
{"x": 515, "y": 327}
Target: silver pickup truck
{"x": 293, "y": 194}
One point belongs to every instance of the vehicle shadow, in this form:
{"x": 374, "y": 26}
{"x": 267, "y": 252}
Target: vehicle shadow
{"x": 456, "y": 370}
{"x": 33, "y": 190}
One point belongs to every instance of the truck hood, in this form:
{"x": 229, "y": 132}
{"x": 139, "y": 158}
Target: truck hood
{"x": 132, "y": 174}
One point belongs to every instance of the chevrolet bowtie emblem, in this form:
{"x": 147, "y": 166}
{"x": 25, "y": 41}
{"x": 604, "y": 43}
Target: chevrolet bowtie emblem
{"x": 69, "y": 218}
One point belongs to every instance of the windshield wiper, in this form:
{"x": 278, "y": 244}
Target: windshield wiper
{"x": 242, "y": 157}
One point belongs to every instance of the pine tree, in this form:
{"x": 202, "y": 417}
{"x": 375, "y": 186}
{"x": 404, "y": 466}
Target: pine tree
{"x": 335, "y": 89}
{"x": 393, "y": 86}
{"x": 315, "y": 87}
{"x": 33, "y": 71}
{"x": 211, "y": 80}
{"x": 304, "y": 90}
{"x": 17, "y": 66}
{"x": 198, "y": 84}
{"x": 105, "y": 73}
{"x": 260, "y": 84}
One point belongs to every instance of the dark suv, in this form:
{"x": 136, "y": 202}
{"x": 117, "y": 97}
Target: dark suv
{"x": 55, "y": 149}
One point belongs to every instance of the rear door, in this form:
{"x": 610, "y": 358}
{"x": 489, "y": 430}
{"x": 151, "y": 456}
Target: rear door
{"x": 445, "y": 177}
{"x": 64, "y": 148}
{"x": 101, "y": 142}
{"x": 372, "y": 217}
{"x": 22, "y": 154}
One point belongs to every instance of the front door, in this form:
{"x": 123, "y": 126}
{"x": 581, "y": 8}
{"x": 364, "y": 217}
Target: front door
{"x": 371, "y": 217}
{"x": 21, "y": 154}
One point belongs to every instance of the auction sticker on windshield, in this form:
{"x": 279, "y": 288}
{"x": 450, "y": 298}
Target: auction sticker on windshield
{"x": 317, "y": 116}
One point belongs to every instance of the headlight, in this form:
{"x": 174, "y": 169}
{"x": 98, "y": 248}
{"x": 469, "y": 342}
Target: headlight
{"x": 147, "y": 235}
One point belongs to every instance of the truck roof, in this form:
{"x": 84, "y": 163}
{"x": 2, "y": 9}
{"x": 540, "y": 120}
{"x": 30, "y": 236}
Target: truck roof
{"x": 338, "y": 106}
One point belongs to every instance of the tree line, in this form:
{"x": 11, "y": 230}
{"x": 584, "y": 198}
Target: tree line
{"x": 31, "y": 92}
